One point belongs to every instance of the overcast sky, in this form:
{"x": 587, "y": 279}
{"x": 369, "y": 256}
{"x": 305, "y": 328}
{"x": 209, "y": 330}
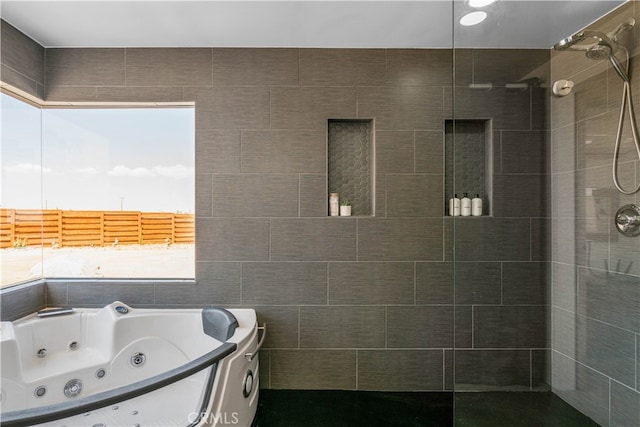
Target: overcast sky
{"x": 108, "y": 159}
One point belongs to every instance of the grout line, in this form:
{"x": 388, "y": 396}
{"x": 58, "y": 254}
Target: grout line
{"x": 357, "y": 378}
{"x": 444, "y": 371}
{"x": 530, "y": 369}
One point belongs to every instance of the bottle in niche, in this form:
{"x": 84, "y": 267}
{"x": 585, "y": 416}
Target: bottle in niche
{"x": 334, "y": 208}
{"x": 476, "y": 206}
{"x": 454, "y": 206}
{"x": 465, "y": 205}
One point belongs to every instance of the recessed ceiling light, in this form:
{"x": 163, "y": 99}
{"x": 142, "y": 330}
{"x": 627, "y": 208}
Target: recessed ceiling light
{"x": 473, "y": 18}
{"x": 480, "y": 3}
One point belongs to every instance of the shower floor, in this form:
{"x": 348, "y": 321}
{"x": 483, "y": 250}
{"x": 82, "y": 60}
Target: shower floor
{"x": 302, "y": 408}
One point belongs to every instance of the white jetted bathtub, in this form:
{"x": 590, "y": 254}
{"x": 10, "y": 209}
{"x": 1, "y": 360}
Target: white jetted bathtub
{"x": 123, "y": 366}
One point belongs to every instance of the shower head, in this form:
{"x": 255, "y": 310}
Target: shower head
{"x": 598, "y": 46}
{"x": 599, "y": 51}
{"x": 586, "y": 41}
{"x": 625, "y": 26}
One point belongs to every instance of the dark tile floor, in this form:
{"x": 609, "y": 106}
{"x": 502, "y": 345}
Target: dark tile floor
{"x": 306, "y": 408}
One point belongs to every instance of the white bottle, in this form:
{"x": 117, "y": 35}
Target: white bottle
{"x": 454, "y": 206}
{"x": 465, "y": 205}
{"x": 476, "y": 206}
{"x": 333, "y": 204}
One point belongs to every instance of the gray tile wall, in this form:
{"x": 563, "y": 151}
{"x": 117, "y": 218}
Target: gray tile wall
{"x": 351, "y": 303}
{"x": 22, "y": 61}
{"x": 596, "y": 271}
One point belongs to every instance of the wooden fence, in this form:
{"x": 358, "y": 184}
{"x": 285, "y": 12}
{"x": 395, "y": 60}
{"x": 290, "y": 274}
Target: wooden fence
{"x": 29, "y": 227}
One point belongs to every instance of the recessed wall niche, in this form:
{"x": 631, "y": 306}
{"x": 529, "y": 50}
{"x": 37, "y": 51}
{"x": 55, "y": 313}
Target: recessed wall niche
{"x": 468, "y": 161}
{"x": 351, "y": 163}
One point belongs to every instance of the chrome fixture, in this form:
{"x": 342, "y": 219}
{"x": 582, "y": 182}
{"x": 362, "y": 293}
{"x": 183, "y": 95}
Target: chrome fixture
{"x": 600, "y": 46}
{"x": 628, "y": 220}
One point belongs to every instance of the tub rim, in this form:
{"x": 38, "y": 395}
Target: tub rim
{"x": 71, "y": 408}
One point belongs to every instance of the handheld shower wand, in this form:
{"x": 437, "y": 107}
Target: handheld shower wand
{"x": 599, "y": 46}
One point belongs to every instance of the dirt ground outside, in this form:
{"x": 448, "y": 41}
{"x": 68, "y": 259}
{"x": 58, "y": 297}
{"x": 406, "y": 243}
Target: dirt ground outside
{"x": 124, "y": 261}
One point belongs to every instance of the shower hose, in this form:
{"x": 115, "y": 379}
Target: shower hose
{"x": 627, "y": 103}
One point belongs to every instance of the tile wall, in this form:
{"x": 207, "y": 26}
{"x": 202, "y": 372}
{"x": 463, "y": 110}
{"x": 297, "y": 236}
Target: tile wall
{"x": 367, "y": 303}
{"x": 596, "y": 271}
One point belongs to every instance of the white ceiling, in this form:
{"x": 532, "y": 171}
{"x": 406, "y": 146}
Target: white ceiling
{"x": 336, "y": 24}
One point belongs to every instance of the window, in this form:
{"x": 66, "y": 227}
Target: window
{"x": 116, "y": 194}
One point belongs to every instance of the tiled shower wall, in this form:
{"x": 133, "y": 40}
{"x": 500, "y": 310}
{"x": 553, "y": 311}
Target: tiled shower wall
{"x": 369, "y": 303}
{"x": 596, "y": 271}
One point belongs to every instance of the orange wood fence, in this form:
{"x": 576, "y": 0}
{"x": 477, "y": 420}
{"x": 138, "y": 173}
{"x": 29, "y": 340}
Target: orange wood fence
{"x": 30, "y": 227}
